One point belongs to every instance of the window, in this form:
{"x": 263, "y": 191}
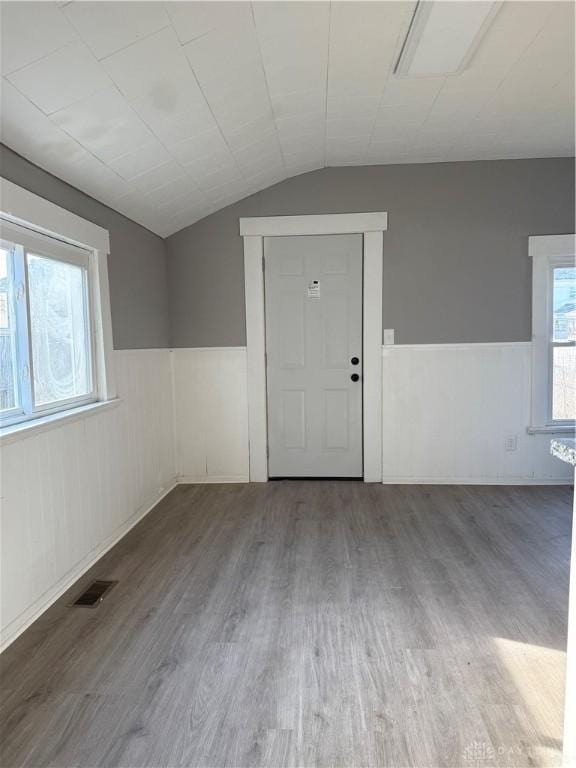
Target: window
{"x": 553, "y": 333}
{"x": 563, "y": 343}
{"x": 46, "y": 352}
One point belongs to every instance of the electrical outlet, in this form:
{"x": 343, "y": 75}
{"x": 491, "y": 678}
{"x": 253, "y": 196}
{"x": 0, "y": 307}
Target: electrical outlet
{"x": 510, "y": 443}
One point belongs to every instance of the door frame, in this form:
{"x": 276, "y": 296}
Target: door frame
{"x": 253, "y": 231}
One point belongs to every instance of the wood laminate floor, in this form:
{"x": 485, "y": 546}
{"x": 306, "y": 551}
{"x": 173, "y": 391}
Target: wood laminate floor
{"x": 308, "y": 624}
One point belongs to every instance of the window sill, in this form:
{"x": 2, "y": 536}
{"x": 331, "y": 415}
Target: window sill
{"x": 29, "y": 428}
{"x": 550, "y": 429}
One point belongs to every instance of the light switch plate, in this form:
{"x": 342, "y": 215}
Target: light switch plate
{"x": 388, "y": 335}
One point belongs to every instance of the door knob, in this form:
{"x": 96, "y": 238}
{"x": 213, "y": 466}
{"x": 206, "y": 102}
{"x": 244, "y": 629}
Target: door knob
{"x": 355, "y": 360}
{"x": 355, "y": 377}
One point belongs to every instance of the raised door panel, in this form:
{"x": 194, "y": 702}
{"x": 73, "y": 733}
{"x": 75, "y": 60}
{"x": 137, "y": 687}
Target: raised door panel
{"x": 293, "y": 419}
{"x": 290, "y": 322}
{"x": 336, "y": 419}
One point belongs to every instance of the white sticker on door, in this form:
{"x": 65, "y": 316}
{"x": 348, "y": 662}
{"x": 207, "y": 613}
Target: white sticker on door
{"x": 314, "y": 289}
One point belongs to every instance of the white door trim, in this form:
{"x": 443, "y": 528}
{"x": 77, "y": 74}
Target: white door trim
{"x": 323, "y": 224}
{"x": 253, "y": 230}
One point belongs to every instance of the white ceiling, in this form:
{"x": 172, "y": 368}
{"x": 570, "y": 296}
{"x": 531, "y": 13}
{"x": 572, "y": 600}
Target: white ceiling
{"x": 169, "y": 111}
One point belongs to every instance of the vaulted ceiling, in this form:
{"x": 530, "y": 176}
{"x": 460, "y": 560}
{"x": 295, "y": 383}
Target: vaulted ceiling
{"x": 169, "y": 111}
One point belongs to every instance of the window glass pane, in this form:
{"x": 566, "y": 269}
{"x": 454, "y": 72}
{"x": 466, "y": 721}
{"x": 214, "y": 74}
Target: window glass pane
{"x": 564, "y": 383}
{"x": 564, "y": 303}
{"x": 59, "y": 330}
{"x": 8, "y": 365}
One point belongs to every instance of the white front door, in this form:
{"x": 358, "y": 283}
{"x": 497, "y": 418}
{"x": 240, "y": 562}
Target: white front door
{"x": 313, "y": 298}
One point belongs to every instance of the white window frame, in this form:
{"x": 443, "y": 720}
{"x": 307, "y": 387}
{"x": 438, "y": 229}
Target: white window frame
{"x": 22, "y": 242}
{"x": 34, "y": 217}
{"x": 547, "y": 252}
{"x": 253, "y": 230}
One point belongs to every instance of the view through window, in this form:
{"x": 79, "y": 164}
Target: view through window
{"x": 564, "y": 343}
{"x": 8, "y": 389}
{"x": 45, "y": 336}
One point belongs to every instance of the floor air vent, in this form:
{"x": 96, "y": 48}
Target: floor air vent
{"x": 96, "y": 592}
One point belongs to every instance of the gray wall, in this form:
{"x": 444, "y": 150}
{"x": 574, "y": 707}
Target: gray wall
{"x": 137, "y": 261}
{"x": 455, "y": 255}
{"x": 456, "y": 266}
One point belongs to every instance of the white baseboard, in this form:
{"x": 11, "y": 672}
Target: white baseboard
{"x": 204, "y": 479}
{"x": 28, "y": 617}
{"x": 474, "y": 481}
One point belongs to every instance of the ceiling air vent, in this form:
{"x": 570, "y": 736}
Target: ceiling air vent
{"x": 93, "y": 596}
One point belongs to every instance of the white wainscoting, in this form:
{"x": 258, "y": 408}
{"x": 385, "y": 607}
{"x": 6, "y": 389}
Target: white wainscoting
{"x": 448, "y": 409}
{"x": 69, "y": 493}
{"x": 211, "y": 415}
